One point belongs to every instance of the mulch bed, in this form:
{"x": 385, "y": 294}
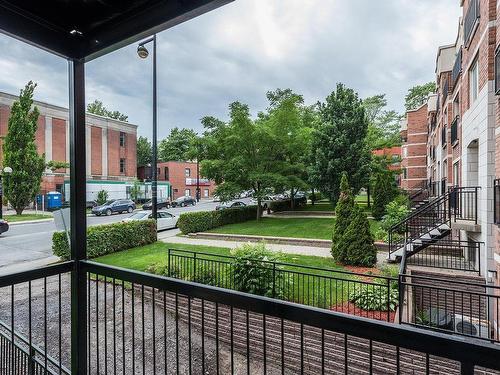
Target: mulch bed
{"x": 349, "y": 308}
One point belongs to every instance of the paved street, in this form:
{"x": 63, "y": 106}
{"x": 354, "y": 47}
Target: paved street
{"x": 33, "y": 241}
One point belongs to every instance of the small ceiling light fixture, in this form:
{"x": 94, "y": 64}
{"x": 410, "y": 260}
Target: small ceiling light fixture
{"x": 75, "y": 32}
{"x": 142, "y": 51}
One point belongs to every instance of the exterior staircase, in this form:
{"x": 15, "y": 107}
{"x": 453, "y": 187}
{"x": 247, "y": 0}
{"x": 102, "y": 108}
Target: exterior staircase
{"x": 430, "y": 220}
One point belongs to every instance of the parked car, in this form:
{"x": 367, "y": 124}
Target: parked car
{"x": 184, "y": 201}
{"x": 225, "y": 205}
{"x": 266, "y": 202}
{"x": 114, "y": 206}
{"x": 4, "y": 226}
{"x": 91, "y": 204}
{"x": 160, "y": 203}
{"x": 165, "y": 220}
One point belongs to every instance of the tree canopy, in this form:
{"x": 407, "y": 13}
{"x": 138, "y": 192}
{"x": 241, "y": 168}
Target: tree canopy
{"x": 20, "y": 152}
{"x": 383, "y": 125}
{"x": 144, "y": 152}
{"x": 177, "y": 146}
{"x": 417, "y": 95}
{"x": 339, "y": 143}
{"x": 97, "y": 108}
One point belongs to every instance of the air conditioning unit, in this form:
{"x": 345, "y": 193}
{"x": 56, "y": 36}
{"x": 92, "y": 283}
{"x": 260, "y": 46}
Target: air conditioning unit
{"x": 466, "y": 325}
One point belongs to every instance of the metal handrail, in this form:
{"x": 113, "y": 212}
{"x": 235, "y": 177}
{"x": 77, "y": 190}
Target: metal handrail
{"x": 469, "y": 353}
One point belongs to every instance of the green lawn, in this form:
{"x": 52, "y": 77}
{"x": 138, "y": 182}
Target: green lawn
{"x": 317, "y": 228}
{"x": 319, "y": 206}
{"x": 26, "y": 217}
{"x": 318, "y": 287}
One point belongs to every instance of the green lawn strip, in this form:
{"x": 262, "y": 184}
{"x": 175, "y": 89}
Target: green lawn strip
{"x": 321, "y": 206}
{"x": 26, "y": 217}
{"x": 317, "y": 287}
{"x": 311, "y": 228}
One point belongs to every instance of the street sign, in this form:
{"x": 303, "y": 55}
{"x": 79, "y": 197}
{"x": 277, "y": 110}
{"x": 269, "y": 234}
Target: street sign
{"x": 62, "y": 219}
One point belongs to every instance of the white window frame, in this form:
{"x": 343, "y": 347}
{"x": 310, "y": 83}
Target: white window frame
{"x": 474, "y": 81}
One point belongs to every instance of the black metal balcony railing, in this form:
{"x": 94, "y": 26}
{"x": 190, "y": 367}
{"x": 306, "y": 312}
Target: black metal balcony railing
{"x": 320, "y": 287}
{"x": 449, "y": 254}
{"x": 464, "y": 203}
{"x": 470, "y": 20}
{"x": 443, "y": 135}
{"x": 466, "y": 308}
{"x": 446, "y": 88}
{"x": 457, "y": 69}
{"x": 454, "y": 130}
{"x": 496, "y": 201}
{"x": 433, "y": 122}
{"x": 140, "y": 323}
{"x": 443, "y": 185}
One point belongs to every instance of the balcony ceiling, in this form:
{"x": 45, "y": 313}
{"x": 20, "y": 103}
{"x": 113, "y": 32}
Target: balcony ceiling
{"x": 86, "y": 29}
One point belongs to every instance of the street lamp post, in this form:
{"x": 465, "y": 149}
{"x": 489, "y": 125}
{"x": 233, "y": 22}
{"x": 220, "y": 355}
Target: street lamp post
{"x": 6, "y": 170}
{"x": 144, "y": 53}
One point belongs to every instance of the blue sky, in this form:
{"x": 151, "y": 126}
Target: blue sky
{"x": 248, "y": 47}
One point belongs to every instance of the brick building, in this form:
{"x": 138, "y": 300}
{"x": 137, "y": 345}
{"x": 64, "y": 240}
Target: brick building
{"x": 413, "y": 150}
{"x": 111, "y": 144}
{"x": 394, "y": 155}
{"x": 182, "y": 176}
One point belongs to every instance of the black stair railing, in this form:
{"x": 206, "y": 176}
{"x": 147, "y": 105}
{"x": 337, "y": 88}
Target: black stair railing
{"x": 420, "y": 222}
{"x": 464, "y": 203}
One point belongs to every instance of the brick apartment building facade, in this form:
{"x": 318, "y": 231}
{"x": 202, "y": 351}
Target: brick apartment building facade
{"x": 111, "y": 144}
{"x": 463, "y": 128}
{"x": 394, "y": 155}
{"x": 413, "y": 149}
{"x": 182, "y": 176}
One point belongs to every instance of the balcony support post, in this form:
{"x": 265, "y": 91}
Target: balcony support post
{"x": 78, "y": 233}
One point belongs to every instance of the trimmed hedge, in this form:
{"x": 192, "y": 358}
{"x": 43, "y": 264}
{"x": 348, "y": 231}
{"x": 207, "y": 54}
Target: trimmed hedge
{"x": 110, "y": 238}
{"x": 286, "y": 204}
{"x": 193, "y": 222}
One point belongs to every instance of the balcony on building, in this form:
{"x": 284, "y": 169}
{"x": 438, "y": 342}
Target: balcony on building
{"x": 454, "y": 130}
{"x": 457, "y": 69}
{"x": 471, "y": 20}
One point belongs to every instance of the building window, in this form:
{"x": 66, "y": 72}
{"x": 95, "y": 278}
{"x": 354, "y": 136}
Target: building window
{"x": 187, "y": 172}
{"x": 122, "y": 165}
{"x": 405, "y": 173}
{"x": 123, "y": 138}
{"x": 167, "y": 177}
{"x": 496, "y": 201}
{"x": 473, "y": 82}
{"x": 206, "y": 193}
{"x": 187, "y": 192}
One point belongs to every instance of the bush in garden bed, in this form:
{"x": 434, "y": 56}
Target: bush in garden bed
{"x": 110, "y": 238}
{"x": 193, "y": 222}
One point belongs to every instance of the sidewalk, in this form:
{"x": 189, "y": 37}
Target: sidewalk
{"x": 25, "y": 266}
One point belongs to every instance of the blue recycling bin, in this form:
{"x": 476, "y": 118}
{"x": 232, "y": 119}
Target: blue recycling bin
{"x": 54, "y": 200}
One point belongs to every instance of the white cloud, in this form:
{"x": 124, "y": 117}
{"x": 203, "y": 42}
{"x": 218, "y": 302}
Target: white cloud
{"x": 242, "y": 50}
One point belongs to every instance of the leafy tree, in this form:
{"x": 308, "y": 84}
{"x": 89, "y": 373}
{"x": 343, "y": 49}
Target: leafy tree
{"x": 135, "y": 191}
{"x": 102, "y": 197}
{"x": 343, "y": 213}
{"x": 417, "y": 95}
{"x": 98, "y": 108}
{"x": 20, "y": 152}
{"x": 144, "y": 152}
{"x": 241, "y": 155}
{"x": 54, "y": 165}
{"x": 291, "y": 125}
{"x": 358, "y": 241}
{"x": 339, "y": 143}
{"x": 383, "y": 125}
{"x": 384, "y": 191}
{"x": 176, "y": 147}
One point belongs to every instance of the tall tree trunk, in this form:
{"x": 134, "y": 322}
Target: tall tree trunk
{"x": 292, "y": 202}
{"x": 313, "y": 196}
{"x": 259, "y": 208}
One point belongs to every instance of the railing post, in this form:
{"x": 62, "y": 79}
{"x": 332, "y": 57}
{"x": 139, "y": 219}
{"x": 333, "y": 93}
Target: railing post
{"x": 466, "y": 368}
{"x": 168, "y": 262}
{"x": 274, "y": 279}
{"x": 194, "y": 267}
{"x": 475, "y": 198}
{"x": 31, "y": 361}
{"x": 78, "y": 231}
{"x": 400, "y": 297}
{"x": 388, "y": 300}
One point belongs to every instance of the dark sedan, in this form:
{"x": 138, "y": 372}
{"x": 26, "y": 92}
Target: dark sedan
{"x": 160, "y": 203}
{"x": 184, "y": 201}
{"x": 4, "y": 226}
{"x": 114, "y": 206}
